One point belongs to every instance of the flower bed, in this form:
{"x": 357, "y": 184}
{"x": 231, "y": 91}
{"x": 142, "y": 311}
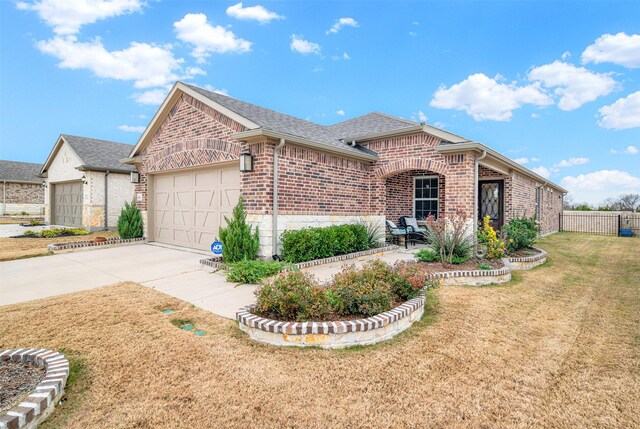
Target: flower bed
{"x": 526, "y": 262}
{"x": 37, "y": 406}
{"x": 332, "y": 335}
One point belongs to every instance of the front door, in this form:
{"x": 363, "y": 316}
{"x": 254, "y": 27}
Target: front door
{"x": 491, "y": 202}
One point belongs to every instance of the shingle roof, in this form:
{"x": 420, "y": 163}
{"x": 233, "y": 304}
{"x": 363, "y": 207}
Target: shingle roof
{"x": 100, "y": 154}
{"x": 371, "y": 123}
{"x": 20, "y": 171}
{"x": 331, "y": 135}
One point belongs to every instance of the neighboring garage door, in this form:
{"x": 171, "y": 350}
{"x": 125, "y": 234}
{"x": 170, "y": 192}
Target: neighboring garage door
{"x": 189, "y": 207}
{"x": 67, "y": 204}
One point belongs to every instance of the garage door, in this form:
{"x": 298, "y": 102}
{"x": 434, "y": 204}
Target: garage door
{"x": 67, "y": 204}
{"x": 189, "y": 207}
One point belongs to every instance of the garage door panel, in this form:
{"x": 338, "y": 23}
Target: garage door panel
{"x": 67, "y": 203}
{"x": 196, "y": 204}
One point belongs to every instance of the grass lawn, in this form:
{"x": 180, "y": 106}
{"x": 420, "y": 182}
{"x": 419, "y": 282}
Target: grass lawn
{"x": 557, "y": 347}
{"x": 17, "y": 248}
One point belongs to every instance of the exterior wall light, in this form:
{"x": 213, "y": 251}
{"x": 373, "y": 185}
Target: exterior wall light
{"x": 135, "y": 177}
{"x": 84, "y": 179}
{"x": 246, "y": 162}
{"x": 44, "y": 183}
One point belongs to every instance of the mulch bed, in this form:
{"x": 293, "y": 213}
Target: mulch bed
{"x": 522, "y": 253}
{"x": 17, "y": 379}
{"x": 470, "y": 265}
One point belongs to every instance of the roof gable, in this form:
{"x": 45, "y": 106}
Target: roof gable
{"x": 94, "y": 154}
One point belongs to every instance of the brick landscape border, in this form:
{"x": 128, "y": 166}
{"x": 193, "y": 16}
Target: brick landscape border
{"x": 331, "y": 335}
{"x": 474, "y": 277}
{"x": 37, "y": 406}
{"x": 216, "y": 263}
{"x": 56, "y": 247}
{"x": 526, "y": 262}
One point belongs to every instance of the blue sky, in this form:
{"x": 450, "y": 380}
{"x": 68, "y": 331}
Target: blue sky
{"x": 555, "y": 85}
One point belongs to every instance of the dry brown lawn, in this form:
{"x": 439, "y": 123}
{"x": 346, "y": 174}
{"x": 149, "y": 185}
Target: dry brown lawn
{"x": 17, "y": 248}
{"x": 10, "y": 221}
{"x": 557, "y": 347}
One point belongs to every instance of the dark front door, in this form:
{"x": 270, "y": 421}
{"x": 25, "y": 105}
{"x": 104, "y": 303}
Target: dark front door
{"x": 491, "y": 202}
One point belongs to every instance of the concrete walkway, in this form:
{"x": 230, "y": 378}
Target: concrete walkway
{"x": 324, "y": 273}
{"x": 171, "y": 271}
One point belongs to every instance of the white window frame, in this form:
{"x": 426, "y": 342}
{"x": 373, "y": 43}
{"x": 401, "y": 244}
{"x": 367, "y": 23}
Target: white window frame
{"x": 437, "y": 198}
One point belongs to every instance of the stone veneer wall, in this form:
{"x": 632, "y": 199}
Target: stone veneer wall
{"x": 22, "y": 197}
{"x": 120, "y": 191}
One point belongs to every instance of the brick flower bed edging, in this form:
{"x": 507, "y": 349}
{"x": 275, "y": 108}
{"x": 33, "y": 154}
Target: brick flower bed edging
{"x": 37, "y": 406}
{"x": 331, "y": 335}
{"x": 56, "y": 247}
{"x": 474, "y": 277}
{"x": 217, "y": 263}
{"x": 526, "y": 262}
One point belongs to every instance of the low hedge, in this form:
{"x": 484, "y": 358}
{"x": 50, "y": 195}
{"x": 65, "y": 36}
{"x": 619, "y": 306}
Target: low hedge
{"x": 373, "y": 289}
{"x": 55, "y": 232}
{"x": 252, "y": 271}
{"x": 307, "y": 244}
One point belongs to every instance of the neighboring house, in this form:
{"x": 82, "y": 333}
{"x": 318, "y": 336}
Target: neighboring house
{"x": 22, "y": 190}
{"x": 79, "y": 172}
{"x": 372, "y": 167}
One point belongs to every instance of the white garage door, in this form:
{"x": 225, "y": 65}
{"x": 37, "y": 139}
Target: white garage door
{"x": 189, "y": 207}
{"x": 67, "y": 204}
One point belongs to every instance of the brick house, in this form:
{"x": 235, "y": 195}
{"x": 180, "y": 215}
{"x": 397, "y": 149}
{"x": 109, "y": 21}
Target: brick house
{"x": 85, "y": 179}
{"x": 21, "y": 188}
{"x": 373, "y": 167}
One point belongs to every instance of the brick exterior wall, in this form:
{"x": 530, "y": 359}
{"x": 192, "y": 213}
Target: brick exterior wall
{"x": 400, "y": 194}
{"x": 23, "y": 193}
{"x": 192, "y": 134}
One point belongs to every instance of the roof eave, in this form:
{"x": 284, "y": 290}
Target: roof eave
{"x": 102, "y": 169}
{"x": 479, "y": 148}
{"x": 26, "y": 182}
{"x": 261, "y": 132}
{"x": 385, "y": 134}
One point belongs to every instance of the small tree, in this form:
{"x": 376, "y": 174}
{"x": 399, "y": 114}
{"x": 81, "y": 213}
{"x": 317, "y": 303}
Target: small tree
{"x": 239, "y": 242}
{"x": 130, "y": 221}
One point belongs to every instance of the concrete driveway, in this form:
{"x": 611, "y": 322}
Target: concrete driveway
{"x": 174, "y": 272}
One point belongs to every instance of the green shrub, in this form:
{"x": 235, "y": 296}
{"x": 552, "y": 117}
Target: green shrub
{"x": 292, "y": 295}
{"x": 50, "y": 233}
{"x": 427, "y": 255}
{"x": 252, "y": 271}
{"x": 488, "y": 238}
{"x": 457, "y": 260}
{"x": 410, "y": 279}
{"x": 130, "y": 221}
{"x": 520, "y": 233}
{"x": 450, "y": 238}
{"x": 35, "y": 222}
{"x": 365, "y": 291}
{"x": 237, "y": 237}
{"x": 485, "y": 267}
{"x": 316, "y": 243}
{"x": 30, "y": 233}
{"x": 56, "y": 232}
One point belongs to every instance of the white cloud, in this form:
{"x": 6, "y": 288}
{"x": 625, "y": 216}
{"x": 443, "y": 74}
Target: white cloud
{"x": 535, "y": 116}
{"x": 342, "y": 22}
{"x": 574, "y": 86}
{"x": 216, "y": 90}
{"x": 571, "y": 162}
{"x": 68, "y": 16}
{"x": 194, "y": 29}
{"x": 621, "y": 49}
{"x": 316, "y": 69}
{"x": 345, "y": 56}
{"x": 522, "y": 160}
{"x": 413, "y": 33}
{"x": 252, "y": 13}
{"x": 439, "y": 124}
{"x": 596, "y": 186}
{"x": 132, "y": 129}
{"x": 534, "y": 159}
{"x": 147, "y": 65}
{"x": 484, "y": 98}
{"x": 565, "y": 55}
{"x": 622, "y": 114}
{"x": 152, "y": 97}
{"x": 631, "y": 150}
{"x": 303, "y": 46}
{"x": 422, "y": 116}
{"x": 543, "y": 171}
{"x": 613, "y": 151}
{"x": 341, "y": 112}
